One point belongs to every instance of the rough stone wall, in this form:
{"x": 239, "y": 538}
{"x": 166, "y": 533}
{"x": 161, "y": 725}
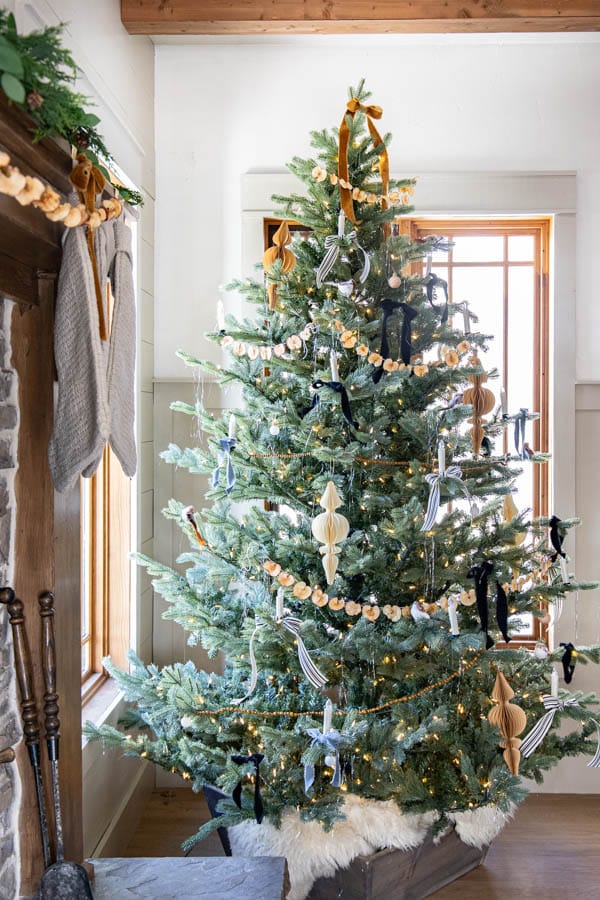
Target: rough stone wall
{"x": 10, "y": 731}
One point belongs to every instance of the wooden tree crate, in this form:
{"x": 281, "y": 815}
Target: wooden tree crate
{"x": 401, "y": 874}
{"x": 388, "y": 874}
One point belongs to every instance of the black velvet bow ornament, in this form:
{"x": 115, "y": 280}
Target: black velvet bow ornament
{"x": 433, "y": 282}
{"x": 390, "y": 307}
{"x": 480, "y": 575}
{"x": 255, "y": 759}
{"x": 556, "y": 539}
{"x": 567, "y": 661}
{"x": 502, "y": 611}
{"x": 338, "y": 388}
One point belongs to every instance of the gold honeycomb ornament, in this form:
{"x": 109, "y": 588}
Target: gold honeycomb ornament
{"x": 510, "y": 719}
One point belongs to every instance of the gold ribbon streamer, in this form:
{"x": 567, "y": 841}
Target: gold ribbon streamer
{"x": 371, "y": 112}
{"x": 90, "y": 181}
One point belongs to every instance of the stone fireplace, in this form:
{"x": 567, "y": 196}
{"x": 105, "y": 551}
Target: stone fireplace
{"x": 10, "y": 731}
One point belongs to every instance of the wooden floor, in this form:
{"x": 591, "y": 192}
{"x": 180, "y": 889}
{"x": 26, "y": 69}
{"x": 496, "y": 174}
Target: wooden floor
{"x": 550, "y": 851}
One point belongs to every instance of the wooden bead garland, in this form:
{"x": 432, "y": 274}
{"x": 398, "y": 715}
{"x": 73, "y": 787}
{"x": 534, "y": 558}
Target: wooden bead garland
{"x": 31, "y": 191}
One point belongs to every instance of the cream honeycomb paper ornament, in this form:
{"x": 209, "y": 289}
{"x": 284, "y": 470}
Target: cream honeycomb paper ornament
{"x": 330, "y": 528}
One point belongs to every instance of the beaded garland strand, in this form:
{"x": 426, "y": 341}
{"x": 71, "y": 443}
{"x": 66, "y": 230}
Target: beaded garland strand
{"x": 378, "y": 462}
{"x": 296, "y": 714}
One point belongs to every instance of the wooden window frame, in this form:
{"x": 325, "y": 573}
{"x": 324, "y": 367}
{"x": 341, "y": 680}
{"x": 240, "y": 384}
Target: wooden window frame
{"x": 541, "y": 229}
{"x": 106, "y": 530}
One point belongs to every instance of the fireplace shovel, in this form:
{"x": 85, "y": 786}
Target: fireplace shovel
{"x": 62, "y": 880}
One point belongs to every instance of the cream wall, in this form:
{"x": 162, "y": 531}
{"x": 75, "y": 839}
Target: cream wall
{"x": 455, "y": 104}
{"x": 117, "y": 73}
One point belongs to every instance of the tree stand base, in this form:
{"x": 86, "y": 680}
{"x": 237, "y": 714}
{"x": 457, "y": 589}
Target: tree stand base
{"x": 401, "y": 874}
{"x": 388, "y": 874}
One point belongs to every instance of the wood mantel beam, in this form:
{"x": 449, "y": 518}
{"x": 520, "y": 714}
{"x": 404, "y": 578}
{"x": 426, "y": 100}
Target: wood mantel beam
{"x": 356, "y": 16}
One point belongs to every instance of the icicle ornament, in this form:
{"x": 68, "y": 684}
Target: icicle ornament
{"x": 330, "y": 528}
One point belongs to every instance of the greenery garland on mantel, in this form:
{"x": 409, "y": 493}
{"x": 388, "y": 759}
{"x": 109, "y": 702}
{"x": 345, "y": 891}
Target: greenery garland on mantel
{"x": 37, "y": 74}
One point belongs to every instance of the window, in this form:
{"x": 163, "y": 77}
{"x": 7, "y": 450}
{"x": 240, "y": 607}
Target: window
{"x": 500, "y": 267}
{"x": 106, "y": 583}
{"x": 105, "y": 570}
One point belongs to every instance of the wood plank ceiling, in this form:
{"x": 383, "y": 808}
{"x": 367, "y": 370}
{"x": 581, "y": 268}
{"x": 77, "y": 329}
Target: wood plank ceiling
{"x": 356, "y": 16}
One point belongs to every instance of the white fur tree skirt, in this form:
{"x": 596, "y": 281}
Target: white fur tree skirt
{"x": 370, "y": 825}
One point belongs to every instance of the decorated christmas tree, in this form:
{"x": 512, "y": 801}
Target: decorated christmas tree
{"x": 362, "y": 565}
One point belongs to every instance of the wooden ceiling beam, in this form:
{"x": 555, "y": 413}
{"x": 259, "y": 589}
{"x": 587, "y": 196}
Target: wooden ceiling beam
{"x": 357, "y": 16}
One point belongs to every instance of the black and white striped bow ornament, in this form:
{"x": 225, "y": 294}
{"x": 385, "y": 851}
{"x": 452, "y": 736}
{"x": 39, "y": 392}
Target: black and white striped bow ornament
{"x": 390, "y": 307}
{"x": 255, "y": 759}
{"x": 520, "y": 423}
{"x": 541, "y": 728}
{"x": 293, "y": 625}
{"x": 336, "y": 242}
{"x": 452, "y": 473}
{"x": 314, "y": 675}
{"x": 432, "y": 283}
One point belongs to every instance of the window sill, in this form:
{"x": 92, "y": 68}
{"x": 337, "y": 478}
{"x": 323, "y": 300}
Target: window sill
{"x": 101, "y": 704}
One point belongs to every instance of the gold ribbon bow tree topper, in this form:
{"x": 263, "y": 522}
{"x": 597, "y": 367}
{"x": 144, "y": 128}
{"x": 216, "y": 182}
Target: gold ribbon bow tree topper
{"x": 371, "y": 111}
{"x": 279, "y": 251}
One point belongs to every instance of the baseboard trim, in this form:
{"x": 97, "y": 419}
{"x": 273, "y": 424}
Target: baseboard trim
{"x": 127, "y": 816}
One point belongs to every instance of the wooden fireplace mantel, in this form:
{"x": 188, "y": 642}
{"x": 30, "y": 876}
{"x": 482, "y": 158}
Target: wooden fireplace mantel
{"x": 29, "y": 242}
{"x": 46, "y": 532}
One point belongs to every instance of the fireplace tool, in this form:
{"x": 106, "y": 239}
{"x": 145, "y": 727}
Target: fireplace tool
{"x": 31, "y": 729}
{"x": 62, "y": 880}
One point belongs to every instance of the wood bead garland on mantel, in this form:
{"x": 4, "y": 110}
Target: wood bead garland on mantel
{"x": 330, "y": 528}
{"x": 510, "y": 719}
{"x": 31, "y": 191}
